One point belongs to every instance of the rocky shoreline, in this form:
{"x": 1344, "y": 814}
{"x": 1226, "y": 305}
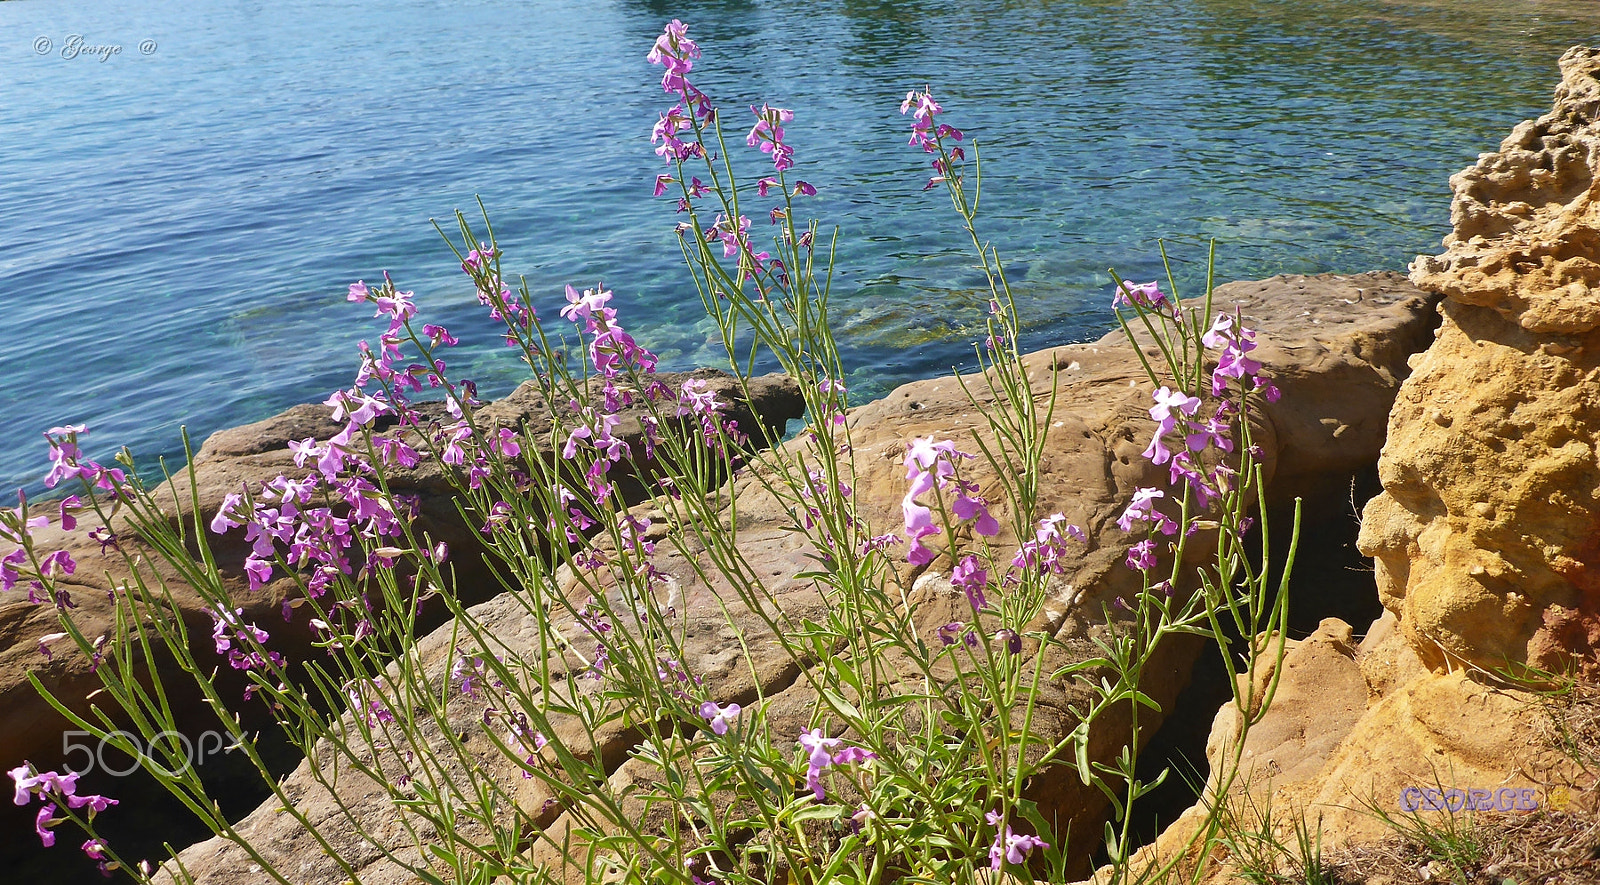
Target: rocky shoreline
{"x": 1473, "y": 389}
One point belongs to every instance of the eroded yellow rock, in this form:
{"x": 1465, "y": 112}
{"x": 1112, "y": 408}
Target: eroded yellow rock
{"x": 1487, "y": 534}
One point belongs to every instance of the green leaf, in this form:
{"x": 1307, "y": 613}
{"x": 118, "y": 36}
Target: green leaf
{"x": 845, "y": 708}
{"x": 1080, "y": 740}
{"x": 1144, "y": 700}
{"x": 817, "y": 812}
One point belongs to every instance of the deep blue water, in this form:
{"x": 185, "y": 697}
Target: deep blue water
{"x": 178, "y": 222}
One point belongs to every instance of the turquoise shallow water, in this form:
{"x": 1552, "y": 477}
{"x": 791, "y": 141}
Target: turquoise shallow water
{"x": 177, "y": 225}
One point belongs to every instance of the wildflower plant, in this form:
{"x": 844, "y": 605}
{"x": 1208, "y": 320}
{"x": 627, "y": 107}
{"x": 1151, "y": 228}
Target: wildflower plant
{"x": 913, "y": 763}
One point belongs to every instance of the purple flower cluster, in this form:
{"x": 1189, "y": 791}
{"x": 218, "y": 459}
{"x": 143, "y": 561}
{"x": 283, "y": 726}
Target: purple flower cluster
{"x": 823, "y": 753}
{"x": 482, "y": 265}
{"x": 735, "y": 237}
{"x": 767, "y": 135}
{"x": 229, "y": 629}
{"x": 17, "y": 525}
{"x": 1143, "y": 510}
{"x": 816, "y": 497}
{"x": 1199, "y": 427}
{"x": 1143, "y": 295}
{"x": 352, "y": 508}
{"x": 930, "y": 467}
{"x": 521, "y": 735}
{"x": 675, "y": 52}
{"x": 364, "y": 697}
{"x": 471, "y": 674}
{"x": 1047, "y": 550}
{"x": 972, "y": 579}
{"x": 1229, "y": 335}
{"x": 53, "y": 790}
{"x": 612, "y": 351}
{"x": 67, "y": 462}
{"x": 929, "y": 136}
{"x": 595, "y": 624}
{"x": 1009, "y": 847}
{"x": 680, "y": 135}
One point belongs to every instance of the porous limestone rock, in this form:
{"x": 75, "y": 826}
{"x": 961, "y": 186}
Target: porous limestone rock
{"x": 1337, "y": 347}
{"x": 1357, "y": 731}
{"x": 1487, "y": 534}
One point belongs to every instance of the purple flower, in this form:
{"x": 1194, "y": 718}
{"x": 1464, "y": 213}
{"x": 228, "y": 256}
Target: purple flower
{"x": 57, "y": 563}
{"x": 1147, "y": 295}
{"x": 853, "y": 756}
{"x": 398, "y": 307}
{"x": 720, "y": 718}
{"x": 43, "y": 821}
{"x": 924, "y": 133}
{"x": 819, "y": 756}
{"x": 1215, "y": 431}
{"x": 439, "y": 335}
{"x": 96, "y": 849}
{"x": 1157, "y": 452}
{"x": 1142, "y": 556}
{"x": 972, "y": 580}
{"x": 259, "y": 571}
{"x": 1009, "y": 847}
{"x": 68, "y": 512}
{"x": 1170, "y": 402}
{"x": 8, "y": 568}
{"x": 1011, "y": 639}
{"x": 590, "y": 305}
{"x": 974, "y": 508}
{"x": 919, "y": 524}
{"x": 1142, "y": 509}
{"x": 948, "y": 634}
{"x": 1048, "y": 546}
{"x": 879, "y": 543}
{"x": 27, "y": 782}
{"x": 860, "y": 818}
